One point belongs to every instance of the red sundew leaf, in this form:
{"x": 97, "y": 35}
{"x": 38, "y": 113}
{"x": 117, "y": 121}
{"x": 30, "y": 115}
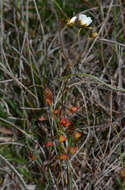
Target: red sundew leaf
{"x": 57, "y": 111}
{"x": 67, "y": 124}
{"x": 31, "y": 157}
{"x": 48, "y": 101}
{"x": 48, "y": 143}
{"x": 41, "y": 118}
{"x": 63, "y": 121}
{"x": 122, "y": 174}
{"x": 63, "y": 157}
{"x": 74, "y": 109}
{"x": 48, "y": 96}
{"x": 62, "y": 138}
{"x": 73, "y": 149}
{"x": 77, "y": 135}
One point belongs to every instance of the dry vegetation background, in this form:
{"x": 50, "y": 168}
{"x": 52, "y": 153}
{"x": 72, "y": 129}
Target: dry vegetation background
{"x": 48, "y": 68}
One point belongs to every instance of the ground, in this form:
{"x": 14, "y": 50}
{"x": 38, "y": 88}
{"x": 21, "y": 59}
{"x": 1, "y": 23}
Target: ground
{"x": 62, "y": 95}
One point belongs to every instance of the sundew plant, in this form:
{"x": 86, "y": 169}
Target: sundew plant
{"x": 62, "y": 95}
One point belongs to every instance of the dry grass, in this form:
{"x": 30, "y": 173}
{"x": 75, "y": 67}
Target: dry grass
{"x": 46, "y": 68}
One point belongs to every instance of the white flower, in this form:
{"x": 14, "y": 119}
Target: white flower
{"x": 84, "y": 20}
{"x": 72, "y": 20}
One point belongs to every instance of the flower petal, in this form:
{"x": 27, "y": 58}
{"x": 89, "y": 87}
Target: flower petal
{"x": 84, "y": 20}
{"x": 72, "y": 20}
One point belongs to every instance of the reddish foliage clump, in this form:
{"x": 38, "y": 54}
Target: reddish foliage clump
{"x": 65, "y": 122}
